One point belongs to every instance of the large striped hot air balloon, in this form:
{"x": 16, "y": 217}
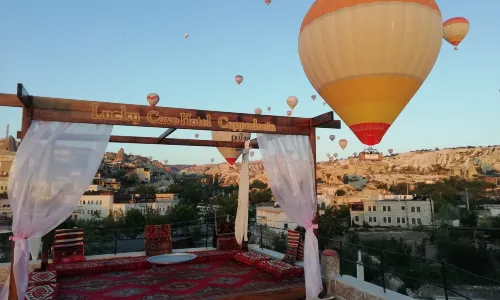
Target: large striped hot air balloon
{"x": 455, "y": 30}
{"x": 230, "y": 154}
{"x": 367, "y": 58}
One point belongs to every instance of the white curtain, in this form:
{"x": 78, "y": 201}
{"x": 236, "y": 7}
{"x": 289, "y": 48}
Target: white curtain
{"x": 289, "y": 165}
{"x": 241, "y": 224}
{"x": 53, "y": 167}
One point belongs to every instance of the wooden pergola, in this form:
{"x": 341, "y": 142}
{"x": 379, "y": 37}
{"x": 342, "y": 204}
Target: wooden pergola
{"x": 37, "y": 108}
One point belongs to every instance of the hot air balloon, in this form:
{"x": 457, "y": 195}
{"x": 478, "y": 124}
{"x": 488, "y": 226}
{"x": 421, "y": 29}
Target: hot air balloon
{"x": 318, "y": 137}
{"x": 355, "y": 154}
{"x": 343, "y": 143}
{"x": 258, "y": 111}
{"x": 186, "y": 35}
{"x": 335, "y": 154}
{"x": 292, "y": 101}
{"x": 386, "y": 52}
{"x": 251, "y": 153}
{"x": 288, "y": 112}
{"x": 332, "y": 137}
{"x": 196, "y": 135}
{"x": 153, "y": 99}
{"x": 239, "y": 79}
{"x": 455, "y": 30}
{"x": 390, "y": 151}
{"x": 165, "y": 161}
{"x": 269, "y": 108}
{"x": 230, "y": 154}
{"x": 212, "y": 159}
{"x": 267, "y": 2}
{"x": 313, "y": 97}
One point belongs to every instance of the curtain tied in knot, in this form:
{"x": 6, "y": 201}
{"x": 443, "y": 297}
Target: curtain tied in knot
{"x": 312, "y": 227}
{"x": 15, "y": 238}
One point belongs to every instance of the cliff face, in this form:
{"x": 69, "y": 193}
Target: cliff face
{"x": 411, "y": 167}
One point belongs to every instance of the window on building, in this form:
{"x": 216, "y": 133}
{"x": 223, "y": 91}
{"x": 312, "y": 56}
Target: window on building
{"x": 374, "y": 219}
{"x": 389, "y": 219}
{"x": 100, "y": 201}
{"x": 285, "y": 226}
{"x": 374, "y": 208}
{"x": 83, "y": 201}
{"x": 385, "y": 220}
{"x": 418, "y": 208}
{"x": 369, "y": 219}
{"x": 413, "y": 220}
{"x": 398, "y": 220}
{"x": 413, "y": 209}
{"x": 357, "y": 207}
{"x": 402, "y": 208}
{"x": 383, "y": 208}
{"x": 419, "y": 221}
{"x": 388, "y": 208}
{"x": 369, "y": 208}
{"x": 356, "y": 218}
{"x": 403, "y": 220}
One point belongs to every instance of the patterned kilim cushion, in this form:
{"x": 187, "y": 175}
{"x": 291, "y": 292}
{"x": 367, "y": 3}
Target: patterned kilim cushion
{"x": 227, "y": 243}
{"x": 157, "y": 231}
{"x": 86, "y": 268}
{"x": 42, "y": 278}
{"x": 250, "y": 258}
{"x": 42, "y": 292}
{"x": 204, "y": 256}
{"x": 63, "y": 254}
{"x": 280, "y": 268}
{"x": 158, "y": 247}
{"x": 300, "y": 251}
{"x": 293, "y": 245}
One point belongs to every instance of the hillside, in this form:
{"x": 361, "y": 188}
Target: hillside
{"x": 411, "y": 167}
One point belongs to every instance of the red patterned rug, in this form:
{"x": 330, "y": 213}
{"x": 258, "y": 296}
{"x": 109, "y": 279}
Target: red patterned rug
{"x": 207, "y": 280}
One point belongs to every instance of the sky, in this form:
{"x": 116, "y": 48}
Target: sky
{"x": 119, "y": 51}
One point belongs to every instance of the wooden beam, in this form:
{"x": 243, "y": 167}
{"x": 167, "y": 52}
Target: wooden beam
{"x": 178, "y": 142}
{"x": 334, "y": 124}
{"x": 24, "y": 96}
{"x": 166, "y": 134}
{"x": 67, "y": 110}
{"x": 322, "y": 119}
{"x": 10, "y": 100}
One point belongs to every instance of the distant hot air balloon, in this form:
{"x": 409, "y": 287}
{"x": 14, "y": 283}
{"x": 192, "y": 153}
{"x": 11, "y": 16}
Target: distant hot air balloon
{"x": 332, "y": 137}
{"x": 230, "y": 154}
{"x": 396, "y": 46}
{"x": 196, "y": 135}
{"x": 390, "y": 151}
{"x": 343, "y": 143}
{"x": 165, "y": 161}
{"x": 269, "y": 108}
{"x": 153, "y": 99}
{"x": 251, "y": 153}
{"x": 212, "y": 159}
{"x": 455, "y": 30}
{"x": 292, "y": 101}
{"x": 318, "y": 137}
{"x": 239, "y": 79}
{"x": 330, "y": 158}
{"x": 313, "y": 97}
{"x": 335, "y": 154}
{"x": 186, "y": 35}
{"x": 258, "y": 111}
{"x": 288, "y": 112}
{"x": 267, "y": 2}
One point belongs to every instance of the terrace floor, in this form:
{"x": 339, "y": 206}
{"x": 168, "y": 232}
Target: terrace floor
{"x": 223, "y": 279}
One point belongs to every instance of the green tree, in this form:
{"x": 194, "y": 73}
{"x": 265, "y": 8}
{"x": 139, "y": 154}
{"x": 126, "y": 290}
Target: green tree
{"x": 260, "y": 196}
{"x": 134, "y": 217}
{"x": 333, "y": 223}
{"x": 340, "y": 193}
{"x": 143, "y": 189}
{"x": 257, "y": 184}
{"x": 279, "y": 242}
{"x": 468, "y": 219}
{"x": 109, "y": 221}
{"x": 182, "y": 213}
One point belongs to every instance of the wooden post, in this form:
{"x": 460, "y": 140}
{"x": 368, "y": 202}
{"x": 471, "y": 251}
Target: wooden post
{"x": 312, "y": 140}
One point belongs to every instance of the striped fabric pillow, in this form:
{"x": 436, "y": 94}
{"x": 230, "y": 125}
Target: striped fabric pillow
{"x": 66, "y": 238}
{"x": 300, "y": 250}
{"x": 292, "y": 247}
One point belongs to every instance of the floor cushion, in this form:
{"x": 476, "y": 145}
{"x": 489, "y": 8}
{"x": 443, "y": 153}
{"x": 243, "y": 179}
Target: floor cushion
{"x": 204, "y": 256}
{"x": 250, "y": 258}
{"x": 90, "y": 267}
{"x": 280, "y": 268}
{"x": 42, "y": 292}
{"x": 42, "y": 278}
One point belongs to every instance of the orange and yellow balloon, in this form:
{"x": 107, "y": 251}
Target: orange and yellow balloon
{"x": 455, "y": 30}
{"x": 343, "y": 143}
{"x": 368, "y": 58}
